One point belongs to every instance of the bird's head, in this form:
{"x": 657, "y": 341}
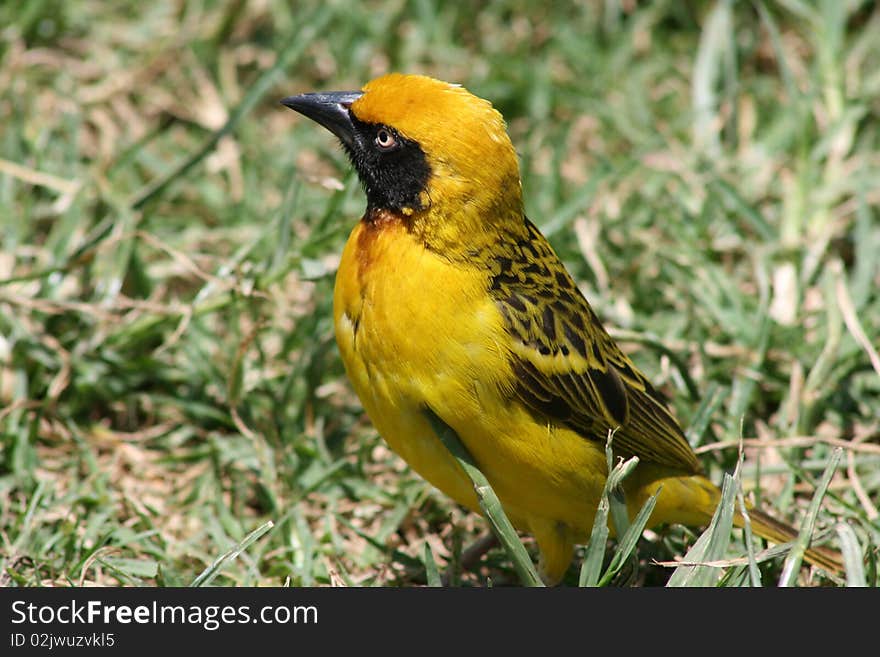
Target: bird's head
{"x": 427, "y": 151}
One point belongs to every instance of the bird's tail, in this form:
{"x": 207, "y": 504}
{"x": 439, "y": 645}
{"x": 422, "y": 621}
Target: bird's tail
{"x": 692, "y": 500}
{"x": 768, "y": 527}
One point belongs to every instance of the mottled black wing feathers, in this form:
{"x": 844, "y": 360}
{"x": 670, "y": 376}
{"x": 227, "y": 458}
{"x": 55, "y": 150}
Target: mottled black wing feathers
{"x": 567, "y": 368}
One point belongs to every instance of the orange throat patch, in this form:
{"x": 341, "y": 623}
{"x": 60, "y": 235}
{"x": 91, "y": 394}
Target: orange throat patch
{"x": 373, "y": 224}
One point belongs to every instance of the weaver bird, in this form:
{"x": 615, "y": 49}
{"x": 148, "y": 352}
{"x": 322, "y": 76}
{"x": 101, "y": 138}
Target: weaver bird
{"x": 448, "y": 300}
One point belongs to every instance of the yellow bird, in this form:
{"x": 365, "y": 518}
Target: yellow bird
{"x": 449, "y": 300}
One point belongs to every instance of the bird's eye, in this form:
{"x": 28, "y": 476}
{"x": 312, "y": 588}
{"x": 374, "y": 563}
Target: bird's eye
{"x": 385, "y": 140}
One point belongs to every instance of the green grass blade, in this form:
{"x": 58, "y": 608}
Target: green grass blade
{"x": 489, "y": 502}
{"x": 715, "y": 42}
{"x": 431, "y": 572}
{"x": 754, "y": 573}
{"x": 629, "y": 540}
{"x": 793, "y": 562}
{"x": 592, "y": 565}
{"x": 709, "y": 403}
{"x": 711, "y": 544}
{"x": 213, "y": 570}
{"x": 852, "y": 556}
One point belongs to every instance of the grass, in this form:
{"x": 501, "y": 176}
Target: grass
{"x": 169, "y": 383}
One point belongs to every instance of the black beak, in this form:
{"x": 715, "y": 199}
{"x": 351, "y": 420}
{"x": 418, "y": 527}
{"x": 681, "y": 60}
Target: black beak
{"x": 328, "y": 109}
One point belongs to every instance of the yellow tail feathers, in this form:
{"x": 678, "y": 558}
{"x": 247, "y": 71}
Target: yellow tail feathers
{"x": 692, "y": 500}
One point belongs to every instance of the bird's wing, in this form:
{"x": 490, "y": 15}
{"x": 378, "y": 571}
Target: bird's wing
{"x": 567, "y": 368}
